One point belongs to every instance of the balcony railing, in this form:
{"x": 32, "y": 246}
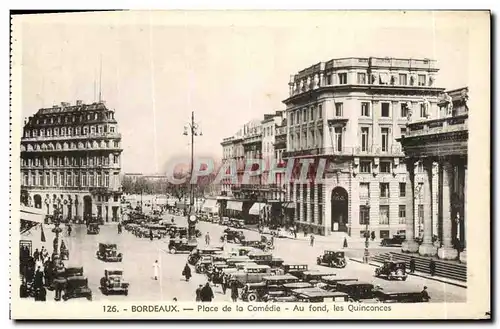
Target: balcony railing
{"x": 438, "y": 126}
{"x": 393, "y": 150}
{"x": 83, "y": 149}
{"x": 71, "y": 137}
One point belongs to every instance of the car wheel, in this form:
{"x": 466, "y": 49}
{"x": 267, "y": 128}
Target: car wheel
{"x": 172, "y": 250}
{"x": 252, "y": 297}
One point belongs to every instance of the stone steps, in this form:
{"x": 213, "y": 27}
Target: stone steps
{"x": 444, "y": 269}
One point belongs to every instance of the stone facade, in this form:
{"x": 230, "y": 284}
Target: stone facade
{"x": 71, "y": 160}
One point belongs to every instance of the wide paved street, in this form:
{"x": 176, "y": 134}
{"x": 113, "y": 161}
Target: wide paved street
{"x": 140, "y": 254}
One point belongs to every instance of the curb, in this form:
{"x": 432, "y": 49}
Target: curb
{"x": 418, "y": 275}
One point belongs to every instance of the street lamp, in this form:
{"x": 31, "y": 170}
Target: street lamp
{"x": 366, "y": 255}
{"x": 192, "y": 129}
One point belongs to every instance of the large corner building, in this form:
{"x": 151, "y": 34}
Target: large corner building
{"x": 70, "y": 161}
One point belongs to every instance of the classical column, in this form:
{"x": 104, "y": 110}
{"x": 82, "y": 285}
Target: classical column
{"x": 447, "y": 251}
{"x": 309, "y": 206}
{"x": 463, "y": 254}
{"x": 427, "y": 248}
{"x": 410, "y": 245}
{"x": 435, "y": 198}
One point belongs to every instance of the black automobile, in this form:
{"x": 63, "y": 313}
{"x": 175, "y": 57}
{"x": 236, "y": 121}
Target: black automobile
{"x": 108, "y": 252}
{"x": 76, "y": 287}
{"x": 254, "y": 292}
{"x": 396, "y": 240}
{"x": 400, "y": 295}
{"x": 392, "y": 270}
{"x": 176, "y": 245}
{"x": 197, "y": 253}
{"x": 357, "y": 291}
{"x": 233, "y": 235}
{"x": 93, "y": 228}
{"x": 332, "y": 258}
{"x": 295, "y": 269}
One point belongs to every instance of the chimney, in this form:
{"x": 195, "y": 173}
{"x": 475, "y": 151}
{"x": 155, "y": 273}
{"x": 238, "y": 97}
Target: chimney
{"x": 79, "y": 102}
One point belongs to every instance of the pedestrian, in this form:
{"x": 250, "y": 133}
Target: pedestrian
{"x": 432, "y": 267}
{"x": 198, "y": 293}
{"x": 234, "y": 290}
{"x": 373, "y": 235}
{"x": 207, "y": 239}
{"x": 151, "y": 235}
{"x": 312, "y": 240}
{"x": 186, "y": 272}
{"x": 224, "y": 284}
{"x": 412, "y": 265}
{"x": 425, "y": 295}
{"x": 119, "y": 226}
{"x": 206, "y": 294}
{"x": 156, "y": 270}
{"x": 345, "y": 243}
{"x": 38, "y": 283}
{"x": 69, "y": 230}
{"x": 36, "y": 254}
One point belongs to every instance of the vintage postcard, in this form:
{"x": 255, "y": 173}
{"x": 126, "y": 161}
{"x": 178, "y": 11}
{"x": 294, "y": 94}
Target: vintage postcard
{"x": 251, "y": 165}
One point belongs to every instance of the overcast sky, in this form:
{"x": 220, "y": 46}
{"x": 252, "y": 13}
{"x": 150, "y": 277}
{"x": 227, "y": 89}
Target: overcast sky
{"x": 229, "y": 68}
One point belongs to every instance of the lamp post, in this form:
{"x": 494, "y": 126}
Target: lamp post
{"x": 192, "y": 129}
{"x": 366, "y": 255}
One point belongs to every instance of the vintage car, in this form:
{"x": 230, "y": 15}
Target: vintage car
{"x": 253, "y": 292}
{"x": 233, "y": 235}
{"x": 285, "y": 291}
{"x": 396, "y": 240}
{"x": 258, "y": 244}
{"x": 315, "y": 276}
{"x": 237, "y": 223}
{"x": 175, "y": 230}
{"x": 204, "y": 265}
{"x": 176, "y": 245}
{"x": 330, "y": 282}
{"x": 357, "y": 291}
{"x": 224, "y": 221}
{"x": 242, "y": 250}
{"x": 332, "y": 258}
{"x": 93, "y": 228}
{"x": 263, "y": 258}
{"x": 231, "y": 262}
{"x": 295, "y": 269}
{"x": 108, "y": 252}
{"x": 76, "y": 287}
{"x": 250, "y": 274}
{"x": 317, "y": 295}
{"x": 392, "y": 270}
{"x": 72, "y": 271}
{"x": 112, "y": 282}
{"x": 400, "y": 295}
{"x": 197, "y": 253}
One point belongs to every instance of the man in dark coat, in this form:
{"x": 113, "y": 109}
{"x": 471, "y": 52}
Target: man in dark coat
{"x": 36, "y": 254}
{"x": 432, "y": 267}
{"x": 198, "y": 293}
{"x": 151, "y": 235}
{"x": 38, "y": 283}
{"x": 206, "y": 294}
{"x": 234, "y": 291}
{"x": 412, "y": 265}
{"x": 425, "y": 295}
{"x": 224, "y": 284}
{"x": 186, "y": 272}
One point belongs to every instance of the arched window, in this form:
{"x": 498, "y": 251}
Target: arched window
{"x": 56, "y": 131}
{"x": 49, "y": 132}
{"x": 63, "y": 131}
{"x": 42, "y": 132}
{"x": 65, "y": 146}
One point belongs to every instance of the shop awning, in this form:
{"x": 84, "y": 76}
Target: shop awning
{"x": 32, "y": 214}
{"x": 234, "y": 205}
{"x": 210, "y": 206}
{"x": 257, "y": 208}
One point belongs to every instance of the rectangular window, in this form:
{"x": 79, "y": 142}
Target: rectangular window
{"x": 361, "y": 78}
{"x": 291, "y": 119}
{"x": 329, "y": 79}
{"x": 304, "y": 115}
{"x": 365, "y": 167}
{"x": 297, "y": 211}
{"x": 91, "y": 180}
{"x": 364, "y": 139}
{"x": 338, "y": 139}
{"x": 421, "y": 79}
{"x": 320, "y": 193}
{"x": 402, "y": 214}
{"x": 402, "y": 190}
{"x": 403, "y": 131}
{"x": 364, "y": 191}
{"x": 26, "y": 180}
{"x": 47, "y": 179}
{"x": 364, "y": 215}
{"x": 385, "y": 167}
{"x": 99, "y": 180}
{"x": 385, "y": 112}
{"x": 384, "y": 135}
{"x": 342, "y": 78}
{"x": 384, "y": 214}
{"x": 384, "y": 190}
{"x": 339, "y": 109}
{"x": 320, "y": 214}
{"x": 320, "y": 111}
{"x": 403, "y": 79}
{"x": 70, "y": 179}
{"x": 384, "y": 234}
{"x": 422, "y": 110}
{"x": 403, "y": 110}
{"x": 365, "y": 109}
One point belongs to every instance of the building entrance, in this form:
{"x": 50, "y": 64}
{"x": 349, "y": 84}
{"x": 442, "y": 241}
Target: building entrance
{"x": 339, "y": 203}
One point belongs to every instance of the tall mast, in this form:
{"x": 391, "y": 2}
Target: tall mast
{"x": 100, "y": 79}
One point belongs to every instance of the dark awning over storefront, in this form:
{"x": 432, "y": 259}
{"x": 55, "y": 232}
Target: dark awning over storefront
{"x": 235, "y": 205}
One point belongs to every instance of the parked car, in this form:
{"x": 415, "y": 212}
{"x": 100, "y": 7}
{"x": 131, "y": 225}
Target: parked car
{"x": 392, "y": 270}
{"x": 263, "y": 258}
{"x": 317, "y": 295}
{"x": 357, "y": 291}
{"x": 232, "y": 261}
{"x": 197, "y": 253}
{"x": 77, "y": 287}
{"x": 113, "y": 282}
{"x": 176, "y": 245}
{"x": 330, "y": 282}
{"x": 224, "y": 221}
{"x": 285, "y": 291}
{"x": 242, "y": 250}
{"x": 204, "y": 265}
{"x": 315, "y": 276}
{"x": 295, "y": 269}
{"x": 332, "y": 258}
{"x": 250, "y": 274}
{"x": 72, "y": 271}
{"x": 400, "y": 295}
{"x": 108, "y": 252}
{"x": 253, "y": 292}
{"x": 396, "y": 240}
{"x": 258, "y": 244}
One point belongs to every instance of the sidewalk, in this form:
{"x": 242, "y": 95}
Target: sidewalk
{"x": 420, "y": 274}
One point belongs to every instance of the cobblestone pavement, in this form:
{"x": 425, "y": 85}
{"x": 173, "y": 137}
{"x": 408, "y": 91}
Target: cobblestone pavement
{"x": 140, "y": 254}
